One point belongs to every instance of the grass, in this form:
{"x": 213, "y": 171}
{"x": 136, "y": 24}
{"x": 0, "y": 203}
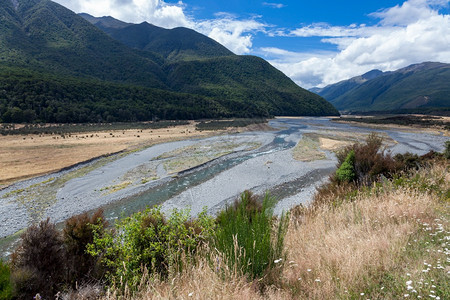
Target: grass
{"x": 65, "y": 129}
{"x": 115, "y": 188}
{"x": 389, "y": 242}
{"x": 191, "y": 156}
{"x": 307, "y": 149}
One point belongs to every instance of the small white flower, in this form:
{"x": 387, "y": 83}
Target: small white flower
{"x": 190, "y": 294}
{"x": 406, "y": 295}
{"x": 277, "y": 261}
{"x": 317, "y": 280}
{"x": 362, "y": 294}
{"x": 409, "y": 282}
{"x": 309, "y": 270}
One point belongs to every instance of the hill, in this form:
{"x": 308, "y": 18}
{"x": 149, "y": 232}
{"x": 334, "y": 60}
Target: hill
{"x": 418, "y": 87}
{"x": 57, "y": 67}
{"x": 174, "y": 44}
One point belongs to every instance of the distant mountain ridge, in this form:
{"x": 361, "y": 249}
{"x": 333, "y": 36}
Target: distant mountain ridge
{"x": 57, "y": 67}
{"x": 423, "y": 85}
{"x": 174, "y": 44}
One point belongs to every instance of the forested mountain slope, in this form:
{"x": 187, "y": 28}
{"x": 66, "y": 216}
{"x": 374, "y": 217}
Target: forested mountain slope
{"x": 416, "y": 87}
{"x": 57, "y": 67}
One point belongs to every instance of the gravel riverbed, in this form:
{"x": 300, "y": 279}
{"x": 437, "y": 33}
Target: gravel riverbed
{"x": 266, "y": 163}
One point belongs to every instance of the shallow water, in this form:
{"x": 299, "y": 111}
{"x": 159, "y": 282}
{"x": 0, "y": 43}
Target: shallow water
{"x": 270, "y": 167}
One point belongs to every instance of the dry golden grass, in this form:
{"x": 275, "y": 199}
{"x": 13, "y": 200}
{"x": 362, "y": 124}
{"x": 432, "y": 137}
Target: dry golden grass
{"x": 336, "y": 249}
{"x": 200, "y": 281}
{"x": 25, "y": 156}
{"x": 338, "y": 252}
{"x": 307, "y": 149}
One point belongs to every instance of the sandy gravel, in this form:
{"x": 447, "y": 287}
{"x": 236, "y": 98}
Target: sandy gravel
{"x": 86, "y": 187}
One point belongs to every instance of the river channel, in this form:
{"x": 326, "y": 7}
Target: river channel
{"x": 198, "y": 174}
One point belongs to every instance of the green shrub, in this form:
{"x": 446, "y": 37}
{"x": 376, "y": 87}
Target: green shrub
{"x": 5, "y": 282}
{"x": 38, "y": 263}
{"x": 77, "y": 234}
{"x": 148, "y": 240}
{"x": 346, "y": 171}
{"x": 370, "y": 161}
{"x": 246, "y": 238}
{"x": 447, "y": 150}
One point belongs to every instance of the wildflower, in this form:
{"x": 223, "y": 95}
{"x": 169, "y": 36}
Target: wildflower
{"x": 317, "y": 280}
{"x": 277, "y": 261}
{"x": 309, "y": 270}
{"x": 362, "y": 294}
{"x": 406, "y": 295}
{"x": 409, "y": 282}
{"x": 190, "y": 294}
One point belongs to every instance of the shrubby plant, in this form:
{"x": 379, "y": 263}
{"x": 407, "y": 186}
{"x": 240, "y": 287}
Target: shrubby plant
{"x": 346, "y": 171}
{"x": 246, "y": 235}
{"x": 370, "y": 160}
{"x": 38, "y": 263}
{"x": 78, "y": 232}
{"x": 447, "y": 150}
{"x": 5, "y": 281}
{"x": 148, "y": 241}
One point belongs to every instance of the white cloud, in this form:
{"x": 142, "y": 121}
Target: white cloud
{"x": 274, "y": 5}
{"x": 156, "y": 12}
{"x": 235, "y": 34}
{"x": 411, "y": 33}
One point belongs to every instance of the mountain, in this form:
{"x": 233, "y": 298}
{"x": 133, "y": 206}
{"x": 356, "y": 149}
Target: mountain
{"x": 56, "y": 66}
{"x": 414, "y": 88}
{"x": 174, "y": 44}
{"x": 333, "y": 91}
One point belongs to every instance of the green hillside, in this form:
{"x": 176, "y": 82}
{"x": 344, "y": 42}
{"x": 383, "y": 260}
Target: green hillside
{"x": 233, "y": 78}
{"x": 57, "y": 67}
{"x": 423, "y": 85}
{"x": 174, "y": 44}
{"x": 45, "y": 36}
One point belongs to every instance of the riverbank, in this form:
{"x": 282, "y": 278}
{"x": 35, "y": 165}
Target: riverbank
{"x": 220, "y": 168}
{"x": 24, "y": 156}
{"x": 426, "y": 123}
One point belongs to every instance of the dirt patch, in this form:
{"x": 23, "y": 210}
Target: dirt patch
{"x": 332, "y": 144}
{"x": 307, "y": 149}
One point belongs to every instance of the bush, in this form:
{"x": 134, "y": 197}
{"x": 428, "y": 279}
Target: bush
{"x": 346, "y": 171}
{"x": 447, "y": 150}
{"x": 5, "y": 282}
{"x": 246, "y": 238}
{"x": 370, "y": 161}
{"x": 38, "y": 263}
{"x": 77, "y": 234}
{"x": 147, "y": 240}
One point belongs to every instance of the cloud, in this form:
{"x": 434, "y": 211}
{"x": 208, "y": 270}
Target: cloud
{"x": 156, "y": 12}
{"x": 405, "y": 34}
{"x": 274, "y": 5}
{"x": 234, "y": 33}
{"x": 231, "y": 32}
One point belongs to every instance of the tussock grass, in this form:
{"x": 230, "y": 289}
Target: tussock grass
{"x": 371, "y": 246}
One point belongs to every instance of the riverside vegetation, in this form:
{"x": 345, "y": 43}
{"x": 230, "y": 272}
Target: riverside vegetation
{"x": 378, "y": 229}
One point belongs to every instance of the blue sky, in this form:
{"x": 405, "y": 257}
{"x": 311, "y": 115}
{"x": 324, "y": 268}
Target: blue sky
{"x": 315, "y": 43}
